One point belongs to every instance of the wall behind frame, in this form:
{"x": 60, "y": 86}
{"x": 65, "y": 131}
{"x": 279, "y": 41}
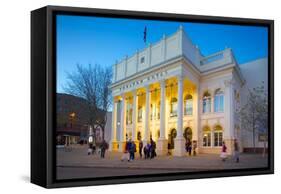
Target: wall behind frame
{"x": 15, "y": 94}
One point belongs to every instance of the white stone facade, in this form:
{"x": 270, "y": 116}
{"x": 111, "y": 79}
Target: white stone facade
{"x": 149, "y": 86}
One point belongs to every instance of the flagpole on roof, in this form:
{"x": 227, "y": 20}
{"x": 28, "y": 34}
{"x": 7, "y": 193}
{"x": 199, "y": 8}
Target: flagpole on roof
{"x": 145, "y": 34}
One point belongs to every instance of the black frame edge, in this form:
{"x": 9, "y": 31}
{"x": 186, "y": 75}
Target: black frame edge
{"x": 38, "y": 97}
{"x": 49, "y": 84}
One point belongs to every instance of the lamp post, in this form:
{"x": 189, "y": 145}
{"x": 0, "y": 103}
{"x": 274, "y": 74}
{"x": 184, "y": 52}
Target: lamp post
{"x": 71, "y": 117}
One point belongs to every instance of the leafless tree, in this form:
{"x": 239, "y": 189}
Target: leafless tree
{"x": 92, "y": 84}
{"x": 254, "y": 114}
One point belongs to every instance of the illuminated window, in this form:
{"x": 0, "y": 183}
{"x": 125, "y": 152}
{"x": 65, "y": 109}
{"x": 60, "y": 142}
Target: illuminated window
{"x": 174, "y": 107}
{"x": 129, "y": 114}
{"x": 218, "y": 136}
{"x": 206, "y": 136}
{"x": 187, "y": 133}
{"x": 140, "y": 114}
{"x": 219, "y": 101}
{"x": 158, "y": 108}
{"x": 206, "y": 102}
{"x": 188, "y": 105}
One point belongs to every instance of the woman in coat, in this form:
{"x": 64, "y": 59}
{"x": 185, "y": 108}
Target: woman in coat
{"x": 223, "y": 152}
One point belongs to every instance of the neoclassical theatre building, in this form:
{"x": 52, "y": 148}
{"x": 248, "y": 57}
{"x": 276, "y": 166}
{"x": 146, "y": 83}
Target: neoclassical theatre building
{"x": 170, "y": 92}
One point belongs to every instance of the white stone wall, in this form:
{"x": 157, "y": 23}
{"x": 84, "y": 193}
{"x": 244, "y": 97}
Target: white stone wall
{"x": 254, "y": 72}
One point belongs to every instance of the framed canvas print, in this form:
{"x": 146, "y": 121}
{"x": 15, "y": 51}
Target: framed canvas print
{"x": 126, "y": 96}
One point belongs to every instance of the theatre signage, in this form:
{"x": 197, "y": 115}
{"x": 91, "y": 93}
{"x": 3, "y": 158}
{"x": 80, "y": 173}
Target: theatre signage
{"x": 142, "y": 82}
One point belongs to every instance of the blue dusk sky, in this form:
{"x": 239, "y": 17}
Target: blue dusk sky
{"x": 96, "y": 40}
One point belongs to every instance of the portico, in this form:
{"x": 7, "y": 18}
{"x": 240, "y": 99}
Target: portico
{"x": 171, "y": 94}
{"x": 150, "y": 111}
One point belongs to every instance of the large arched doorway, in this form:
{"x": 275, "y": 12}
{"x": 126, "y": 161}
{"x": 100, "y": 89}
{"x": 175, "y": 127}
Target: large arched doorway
{"x": 187, "y": 134}
{"x": 139, "y": 136}
{"x": 171, "y": 139}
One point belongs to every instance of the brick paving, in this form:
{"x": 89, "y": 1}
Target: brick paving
{"x": 78, "y": 158}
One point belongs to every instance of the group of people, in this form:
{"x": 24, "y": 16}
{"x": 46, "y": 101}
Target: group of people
{"x": 129, "y": 151}
{"x": 223, "y": 154}
{"x": 102, "y": 148}
{"x": 190, "y": 147}
{"x": 149, "y": 150}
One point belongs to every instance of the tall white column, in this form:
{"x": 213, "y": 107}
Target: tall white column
{"x": 162, "y": 110}
{"x": 123, "y": 123}
{"x": 135, "y": 116}
{"x": 180, "y": 141}
{"x": 180, "y": 107}
{"x": 162, "y": 143}
{"x": 147, "y": 110}
{"x": 114, "y": 118}
{"x": 196, "y": 114}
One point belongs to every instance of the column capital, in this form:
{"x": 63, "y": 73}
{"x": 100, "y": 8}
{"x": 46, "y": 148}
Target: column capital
{"x": 147, "y": 87}
{"x": 180, "y": 77}
{"x": 228, "y": 83}
{"x": 123, "y": 96}
{"x": 162, "y": 83}
{"x": 134, "y": 92}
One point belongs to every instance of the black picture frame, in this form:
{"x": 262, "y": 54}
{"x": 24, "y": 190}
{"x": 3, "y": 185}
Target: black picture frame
{"x": 43, "y": 90}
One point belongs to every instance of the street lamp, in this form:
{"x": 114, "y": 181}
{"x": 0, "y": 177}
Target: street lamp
{"x": 71, "y": 115}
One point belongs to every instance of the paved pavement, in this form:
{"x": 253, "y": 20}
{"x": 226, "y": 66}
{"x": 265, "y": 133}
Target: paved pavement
{"x": 77, "y": 163}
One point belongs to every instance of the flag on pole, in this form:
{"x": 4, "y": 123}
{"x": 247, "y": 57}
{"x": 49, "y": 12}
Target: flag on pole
{"x": 144, "y": 34}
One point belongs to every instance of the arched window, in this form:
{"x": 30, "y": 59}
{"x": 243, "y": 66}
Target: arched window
{"x": 139, "y": 114}
{"x": 217, "y": 136}
{"x": 129, "y": 114}
{"x": 206, "y": 136}
{"x": 158, "y": 133}
{"x": 206, "y": 102}
{"x": 219, "y": 100}
{"x": 174, "y": 107}
{"x": 187, "y": 133}
{"x": 188, "y": 105}
{"x": 172, "y": 136}
{"x": 158, "y": 110}
{"x": 139, "y": 136}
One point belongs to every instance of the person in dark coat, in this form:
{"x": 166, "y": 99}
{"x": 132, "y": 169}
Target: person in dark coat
{"x": 188, "y": 147}
{"x": 223, "y": 152}
{"x": 140, "y": 148}
{"x": 152, "y": 148}
{"x": 147, "y": 151}
{"x": 103, "y": 148}
{"x": 194, "y": 146}
{"x": 132, "y": 150}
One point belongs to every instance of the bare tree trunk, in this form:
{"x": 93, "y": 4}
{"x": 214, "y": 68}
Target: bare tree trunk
{"x": 254, "y": 131}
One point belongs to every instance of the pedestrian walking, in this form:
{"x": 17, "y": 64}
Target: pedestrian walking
{"x": 140, "y": 148}
{"x": 223, "y": 152}
{"x": 132, "y": 150}
{"x": 236, "y": 151}
{"x": 147, "y": 151}
{"x": 103, "y": 148}
{"x": 125, "y": 155}
{"x": 90, "y": 150}
{"x": 194, "y": 146}
{"x": 188, "y": 147}
{"x": 152, "y": 149}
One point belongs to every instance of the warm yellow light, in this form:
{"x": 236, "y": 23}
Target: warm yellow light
{"x": 72, "y": 114}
